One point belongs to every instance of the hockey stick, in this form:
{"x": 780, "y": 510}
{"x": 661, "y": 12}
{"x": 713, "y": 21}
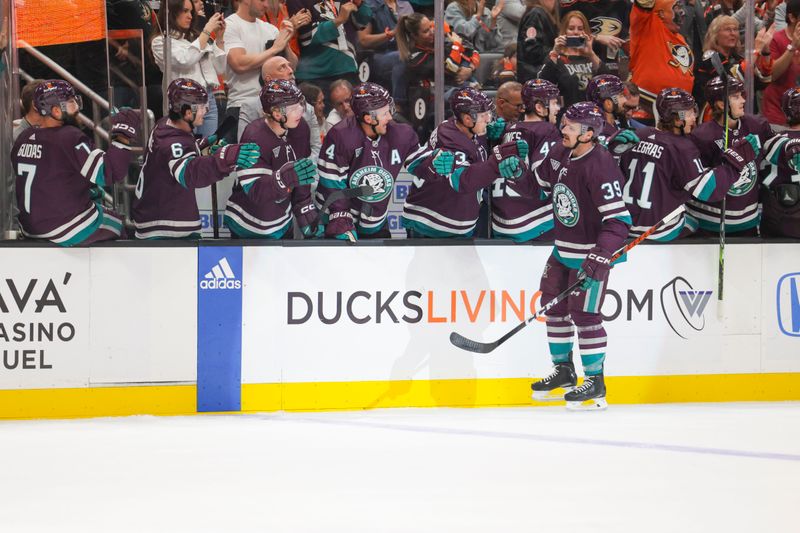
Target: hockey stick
{"x": 227, "y": 125}
{"x": 716, "y": 61}
{"x": 485, "y": 347}
{"x": 362, "y": 190}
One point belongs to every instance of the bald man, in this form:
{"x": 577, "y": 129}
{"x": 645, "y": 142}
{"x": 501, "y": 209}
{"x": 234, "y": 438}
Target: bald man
{"x": 278, "y": 68}
{"x": 508, "y": 102}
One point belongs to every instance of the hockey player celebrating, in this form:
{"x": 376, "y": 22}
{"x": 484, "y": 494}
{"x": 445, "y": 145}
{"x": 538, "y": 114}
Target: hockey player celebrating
{"x": 59, "y": 171}
{"x": 520, "y": 213}
{"x": 165, "y": 205}
{"x": 368, "y": 148}
{"x": 608, "y": 92}
{"x": 781, "y": 215}
{"x": 278, "y": 186}
{"x": 591, "y": 223}
{"x": 453, "y": 167}
{"x": 665, "y": 170}
{"x": 741, "y": 210}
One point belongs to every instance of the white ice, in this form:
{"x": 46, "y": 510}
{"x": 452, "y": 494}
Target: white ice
{"x": 672, "y": 468}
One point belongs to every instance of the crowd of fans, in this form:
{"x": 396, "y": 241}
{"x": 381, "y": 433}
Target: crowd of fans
{"x": 232, "y": 49}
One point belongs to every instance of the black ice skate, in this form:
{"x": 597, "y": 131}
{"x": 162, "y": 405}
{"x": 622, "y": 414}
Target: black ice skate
{"x": 562, "y": 379}
{"x": 591, "y": 395}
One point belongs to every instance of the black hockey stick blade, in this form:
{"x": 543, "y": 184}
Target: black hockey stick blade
{"x": 716, "y": 62}
{"x": 470, "y": 345}
{"x": 362, "y": 190}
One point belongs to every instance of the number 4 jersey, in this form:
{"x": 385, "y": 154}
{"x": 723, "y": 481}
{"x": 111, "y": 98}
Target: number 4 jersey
{"x": 587, "y": 202}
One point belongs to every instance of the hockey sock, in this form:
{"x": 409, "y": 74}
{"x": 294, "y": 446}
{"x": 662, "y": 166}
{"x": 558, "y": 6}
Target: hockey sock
{"x": 592, "y": 343}
{"x": 560, "y": 331}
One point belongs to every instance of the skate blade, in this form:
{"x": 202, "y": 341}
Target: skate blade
{"x": 596, "y": 404}
{"x": 551, "y": 395}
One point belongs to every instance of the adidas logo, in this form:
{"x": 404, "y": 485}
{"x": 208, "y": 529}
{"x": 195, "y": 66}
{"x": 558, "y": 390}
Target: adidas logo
{"x": 221, "y": 277}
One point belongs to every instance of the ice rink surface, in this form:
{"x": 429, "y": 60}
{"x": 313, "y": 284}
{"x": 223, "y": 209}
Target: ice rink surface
{"x": 675, "y": 468}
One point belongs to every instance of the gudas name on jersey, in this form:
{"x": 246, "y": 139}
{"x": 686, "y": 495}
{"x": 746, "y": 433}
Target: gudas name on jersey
{"x": 648, "y": 148}
{"x": 32, "y": 151}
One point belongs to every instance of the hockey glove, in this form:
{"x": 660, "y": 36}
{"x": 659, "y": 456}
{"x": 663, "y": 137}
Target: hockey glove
{"x": 494, "y": 130}
{"x": 307, "y": 217}
{"x": 340, "y": 224}
{"x": 216, "y": 147}
{"x": 236, "y": 155}
{"x": 739, "y": 154}
{"x": 125, "y": 125}
{"x": 248, "y": 155}
{"x": 312, "y": 232}
{"x": 510, "y": 168}
{"x": 510, "y": 149}
{"x": 443, "y": 162}
{"x": 349, "y": 236}
{"x": 621, "y": 142}
{"x": 295, "y": 173}
{"x": 595, "y": 268}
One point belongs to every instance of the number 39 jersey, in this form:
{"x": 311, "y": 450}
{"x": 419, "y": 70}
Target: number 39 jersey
{"x": 587, "y": 202}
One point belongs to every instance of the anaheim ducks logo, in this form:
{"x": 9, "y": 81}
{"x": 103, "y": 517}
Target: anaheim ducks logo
{"x": 747, "y": 180}
{"x": 682, "y": 56}
{"x": 606, "y": 26}
{"x": 565, "y": 205}
{"x": 380, "y": 179}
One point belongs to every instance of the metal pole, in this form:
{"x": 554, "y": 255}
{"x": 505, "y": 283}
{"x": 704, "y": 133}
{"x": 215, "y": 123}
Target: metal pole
{"x": 749, "y": 38}
{"x": 167, "y": 58}
{"x": 438, "y": 53}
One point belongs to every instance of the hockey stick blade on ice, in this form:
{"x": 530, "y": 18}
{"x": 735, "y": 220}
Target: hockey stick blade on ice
{"x": 486, "y": 347}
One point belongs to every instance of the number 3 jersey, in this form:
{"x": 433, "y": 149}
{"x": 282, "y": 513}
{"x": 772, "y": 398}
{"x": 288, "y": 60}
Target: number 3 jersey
{"x": 165, "y": 205}
{"x": 58, "y": 174}
{"x": 349, "y": 159}
{"x": 261, "y": 205}
{"x": 587, "y": 201}
{"x": 517, "y": 214}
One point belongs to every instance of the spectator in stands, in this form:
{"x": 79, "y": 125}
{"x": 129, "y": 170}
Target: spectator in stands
{"x": 477, "y": 24}
{"x": 571, "y": 67}
{"x": 505, "y": 68}
{"x": 508, "y": 102}
{"x": 537, "y": 34}
{"x": 694, "y": 26}
{"x": 30, "y": 117}
{"x": 723, "y": 38}
{"x": 328, "y": 42}
{"x": 277, "y": 12}
{"x": 278, "y": 68}
{"x": 609, "y": 23}
{"x": 738, "y": 10}
{"x": 660, "y": 57}
{"x": 195, "y": 55}
{"x": 250, "y": 42}
{"x": 340, "y": 93}
{"x": 509, "y": 19}
{"x": 785, "y": 50}
{"x": 315, "y": 98}
{"x": 378, "y": 36}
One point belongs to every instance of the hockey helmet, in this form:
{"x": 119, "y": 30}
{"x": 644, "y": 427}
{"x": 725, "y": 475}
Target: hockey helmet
{"x": 603, "y": 87}
{"x": 714, "y": 90}
{"x": 51, "y": 93}
{"x": 588, "y": 115}
{"x": 369, "y": 97}
{"x": 185, "y": 92}
{"x": 538, "y": 91}
{"x": 674, "y": 102}
{"x": 280, "y": 93}
{"x": 470, "y": 101}
{"x": 790, "y": 104}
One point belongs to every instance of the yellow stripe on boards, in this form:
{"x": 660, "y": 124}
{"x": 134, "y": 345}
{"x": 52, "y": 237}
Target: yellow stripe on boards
{"x": 99, "y": 401}
{"x": 182, "y": 399}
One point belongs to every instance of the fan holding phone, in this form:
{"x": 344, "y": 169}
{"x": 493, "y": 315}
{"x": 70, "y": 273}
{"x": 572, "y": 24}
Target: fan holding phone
{"x": 572, "y": 62}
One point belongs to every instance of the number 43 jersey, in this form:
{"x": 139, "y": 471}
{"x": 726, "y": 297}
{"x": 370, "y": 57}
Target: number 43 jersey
{"x": 587, "y": 202}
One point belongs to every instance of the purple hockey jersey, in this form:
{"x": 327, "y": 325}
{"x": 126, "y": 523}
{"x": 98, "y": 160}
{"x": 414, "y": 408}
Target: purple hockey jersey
{"x": 587, "y": 202}
{"x": 664, "y": 171}
{"x": 776, "y": 166}
{"x": 741, "y": 208}
{"x": 57, "y": 172}
{"x": 434, "y": 208}
{"x": 165, "y": 205}
{"x": 261, "y": 205}
{"x": 348, "y": 159}
{"x": 517, "y": 214}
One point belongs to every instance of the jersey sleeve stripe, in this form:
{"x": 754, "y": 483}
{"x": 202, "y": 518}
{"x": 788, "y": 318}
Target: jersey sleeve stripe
{"x": 611, "y": 207}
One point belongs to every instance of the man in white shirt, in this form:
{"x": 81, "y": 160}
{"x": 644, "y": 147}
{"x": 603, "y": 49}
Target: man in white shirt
{"x": 249, "y": 43}
{"x": 340, "y": 92}
{"x": 279, "y": 68}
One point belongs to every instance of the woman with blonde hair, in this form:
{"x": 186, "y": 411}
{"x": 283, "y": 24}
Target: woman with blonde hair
{"x": 572, "y": 62}
{"x": 722, "y": 38}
